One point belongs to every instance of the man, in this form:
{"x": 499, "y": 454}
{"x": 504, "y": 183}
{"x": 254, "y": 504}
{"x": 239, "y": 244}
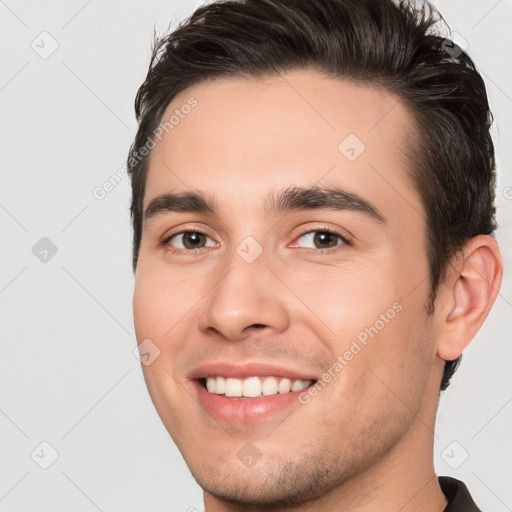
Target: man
{"x": 313, "y": 245}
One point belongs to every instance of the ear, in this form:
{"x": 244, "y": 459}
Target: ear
{"x": 468, "y": 293}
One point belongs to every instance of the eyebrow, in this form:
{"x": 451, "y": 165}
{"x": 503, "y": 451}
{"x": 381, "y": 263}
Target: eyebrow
{"x": 276, "y": 203}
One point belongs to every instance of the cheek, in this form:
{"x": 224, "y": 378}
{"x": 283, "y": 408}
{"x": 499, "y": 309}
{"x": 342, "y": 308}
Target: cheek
{"x": 147, "y": 308}
{"x": 156, "y": 309}
{"x": 161, "y": 301}
{"x": 394, "y": 364}
{"x": 369, "y": 317}
{"x": 344, "y": 301}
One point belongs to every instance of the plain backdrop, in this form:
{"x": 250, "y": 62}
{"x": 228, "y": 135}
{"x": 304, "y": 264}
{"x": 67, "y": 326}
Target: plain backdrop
{"x": 72, "y": 394}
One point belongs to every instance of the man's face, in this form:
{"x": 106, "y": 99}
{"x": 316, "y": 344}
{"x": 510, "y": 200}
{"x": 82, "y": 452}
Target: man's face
{"x": 274, "y": 294}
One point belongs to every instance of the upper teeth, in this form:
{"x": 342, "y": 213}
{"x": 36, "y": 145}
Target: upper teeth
{"x": 253, "y": 386}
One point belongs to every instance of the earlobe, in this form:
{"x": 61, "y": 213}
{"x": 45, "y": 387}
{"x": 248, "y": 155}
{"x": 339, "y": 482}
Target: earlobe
{"x": 472, "y": 285}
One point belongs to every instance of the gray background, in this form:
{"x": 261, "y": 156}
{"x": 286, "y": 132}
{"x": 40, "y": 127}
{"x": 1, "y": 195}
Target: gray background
{"x": 68, "y": 376}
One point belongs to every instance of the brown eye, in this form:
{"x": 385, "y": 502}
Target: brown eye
{"x": 317, "y": 239}
{"x": 190, "y": 240}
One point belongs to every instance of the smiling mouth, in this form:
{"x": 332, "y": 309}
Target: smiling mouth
{"x": 253, "y": 387}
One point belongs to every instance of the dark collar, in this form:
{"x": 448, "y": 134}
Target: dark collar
{"x": 457, "y": 494}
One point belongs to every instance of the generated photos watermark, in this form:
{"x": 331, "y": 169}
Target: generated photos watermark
{"x": 356, "y": 346}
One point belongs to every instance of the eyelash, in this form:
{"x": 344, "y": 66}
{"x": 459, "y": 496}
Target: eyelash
{"x": 306, "y": 231}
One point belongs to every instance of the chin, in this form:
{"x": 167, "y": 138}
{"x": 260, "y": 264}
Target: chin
{"x": 272, "y": 483}
{"x": 266, "y": 492}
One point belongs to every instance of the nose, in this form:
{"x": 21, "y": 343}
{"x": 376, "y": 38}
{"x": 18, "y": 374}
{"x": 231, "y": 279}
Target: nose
{"x": 245, "y": 298}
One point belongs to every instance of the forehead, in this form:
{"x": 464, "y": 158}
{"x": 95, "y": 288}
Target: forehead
{"x": 243, "y": 137}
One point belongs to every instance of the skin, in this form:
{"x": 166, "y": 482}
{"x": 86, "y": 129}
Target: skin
{"x": 365, "y": 441}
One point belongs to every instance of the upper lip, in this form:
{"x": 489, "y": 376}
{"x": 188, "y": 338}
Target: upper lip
{"x": 245, "y": 370}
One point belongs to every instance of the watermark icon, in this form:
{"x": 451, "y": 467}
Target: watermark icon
{"x": 146, "y": 352}
{"x": 45, "y": 45}
{"x": 44, "y": 250}
{"x": 351, "y": 147}
{"x": 44, "y": 455}
{"x": 507, "y": 193}
{"x": 249, "y": 454}
{"x": 455, "y": 455}
{"x": 357, "y": 344}
{"x": 455, "y": 46}
{"x": 249, "y": 249}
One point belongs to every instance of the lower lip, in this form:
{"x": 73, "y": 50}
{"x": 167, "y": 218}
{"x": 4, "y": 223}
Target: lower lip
{"x": 245, "y": 411}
